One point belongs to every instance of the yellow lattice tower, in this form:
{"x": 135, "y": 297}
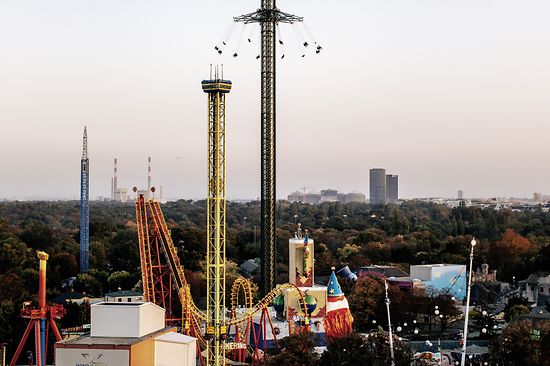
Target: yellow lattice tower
{"x": 216, "y": 88}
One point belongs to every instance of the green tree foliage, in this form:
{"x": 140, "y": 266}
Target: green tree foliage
{"x": 410, "y": 233}
{"x": 513, "y": 301}
{"x": 366, "y": 302}
{"x": 122, "y": 280}
{"x": 347, "y": 351}
{"x": 372, "y": 350}
{"x": 518, "y": 310}
{"x": 294, "y": 350}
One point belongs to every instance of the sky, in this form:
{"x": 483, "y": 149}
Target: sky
{"x": 447, "y": 94}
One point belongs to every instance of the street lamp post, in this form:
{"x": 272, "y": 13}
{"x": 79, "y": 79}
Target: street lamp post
{"x": 389, "y": 323}
{"x": 463, "y": 357}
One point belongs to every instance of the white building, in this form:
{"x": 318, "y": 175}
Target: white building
{"x": 124, "y": 296}
{"x": 447, "y": 277}
{"x": 128, "y": 334}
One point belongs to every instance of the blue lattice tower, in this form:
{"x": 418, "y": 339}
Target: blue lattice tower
{"x": 84, "y": 206}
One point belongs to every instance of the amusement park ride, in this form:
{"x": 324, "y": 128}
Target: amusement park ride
{"x": 244, "y": 330}
{"x": 41, "y": 319}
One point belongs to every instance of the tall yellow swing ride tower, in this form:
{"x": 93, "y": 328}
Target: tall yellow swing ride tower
{"x": 216, "y": 329}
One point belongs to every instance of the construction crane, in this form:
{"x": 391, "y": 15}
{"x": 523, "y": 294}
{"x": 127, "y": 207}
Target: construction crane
{"x": 268, "y": 16}
{"x": 84, "y": 205}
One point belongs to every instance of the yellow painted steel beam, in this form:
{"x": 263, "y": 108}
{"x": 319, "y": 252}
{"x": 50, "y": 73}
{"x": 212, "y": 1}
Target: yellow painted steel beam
{"x": 216, "y": 217}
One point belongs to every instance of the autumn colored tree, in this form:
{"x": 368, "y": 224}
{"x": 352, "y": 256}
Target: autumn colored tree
{"x": 510, "y": 253}
{"x": 366, "y": 301}
{"x": 522, "y": 343}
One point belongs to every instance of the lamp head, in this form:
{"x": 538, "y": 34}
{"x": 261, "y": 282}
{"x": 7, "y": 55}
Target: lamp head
{"x": 473, "y": 242}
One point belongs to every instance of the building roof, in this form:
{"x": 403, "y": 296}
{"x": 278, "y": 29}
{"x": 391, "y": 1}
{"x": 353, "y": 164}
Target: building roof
{"x": 87, "y": 340}
{"x": 532, "y": 279}
{"x": 176, "y": 338}
{"x": 436, "y": 265}
{"x": 250, "y": 266}
{"x": 386, "y": 271}
{"x": 544, "y": 280}
{"x": 123, "y": 293}
{"x": 60, "y": 299}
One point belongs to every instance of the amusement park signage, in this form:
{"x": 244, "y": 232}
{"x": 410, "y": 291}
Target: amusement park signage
{"x": 235, "y": 345}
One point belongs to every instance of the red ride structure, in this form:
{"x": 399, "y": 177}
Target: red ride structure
{"x": 164, "y": 284}
{"x": 41, "y": 319}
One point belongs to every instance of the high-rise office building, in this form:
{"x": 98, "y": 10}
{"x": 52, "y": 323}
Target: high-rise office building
{"x": 392, "y": 188}
{"x": 377, "y": 186}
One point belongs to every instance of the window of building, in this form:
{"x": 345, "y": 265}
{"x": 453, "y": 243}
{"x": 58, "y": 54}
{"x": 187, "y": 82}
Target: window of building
{"x": 129, "y": 299}
{"x": 119, "y": 299}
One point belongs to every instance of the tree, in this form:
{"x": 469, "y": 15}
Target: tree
{"x": 346, "y": 351}
{"x": 510, "y": 253}
{"x": 86, "y": 283}
{"x": 522, "y": 343}
{"x": 120, "y": 279}
{"x": 485, "y": 323}
{"x": 366, "y": 302}
{"x": 373, "y": 349}
{"x": 295, "y": 350}
{"x": 515, "y": 300}
{"x": 518, "y": 310}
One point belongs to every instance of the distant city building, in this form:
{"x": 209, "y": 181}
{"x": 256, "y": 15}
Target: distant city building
{"x": 537, "y": 197}
{"x": 117, "y": 194}
{"x": 296, "y": 196}
{"x": 312, "y": 198}
{"x": 329, "y": 195}
{"x": 341, "y": 197}
{"x": 326, "y": 195}
{"x": 355, "y": 197}
{"x": 460, "y": 195}
{"x": 121, "y": 194}
{"x": 377, "y": 188}
{"x": 392, "y": 188}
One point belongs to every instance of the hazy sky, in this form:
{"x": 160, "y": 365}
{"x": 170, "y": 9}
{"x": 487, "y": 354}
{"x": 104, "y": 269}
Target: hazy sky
{"x": 448, "y": 94}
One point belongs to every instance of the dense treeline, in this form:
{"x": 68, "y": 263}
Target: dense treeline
{"x": 515, "y": 243}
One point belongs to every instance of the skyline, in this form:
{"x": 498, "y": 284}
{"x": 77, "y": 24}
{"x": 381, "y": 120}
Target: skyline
{"x": 131, "y": 72}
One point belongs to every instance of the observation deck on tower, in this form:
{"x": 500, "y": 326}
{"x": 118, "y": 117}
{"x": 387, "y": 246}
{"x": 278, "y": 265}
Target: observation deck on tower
{"x": 216, "y": 85}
